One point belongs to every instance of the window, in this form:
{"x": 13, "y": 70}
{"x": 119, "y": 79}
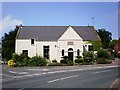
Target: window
{"x": 85, "y": 45}
{"x": 25, "y": 52}
{"x": 78, "y": 52}
{"x": 46, "y": 52}
{"x": 32, "y": 41}
{"x": 90, "y": 48}
{"x": 62, "y": 52}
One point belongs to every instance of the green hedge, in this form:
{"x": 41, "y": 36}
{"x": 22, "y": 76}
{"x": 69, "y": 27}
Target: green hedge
{"x": 24, "y": 60}
{"x": 37, "y": 61}
{"x": 79, "y": 60}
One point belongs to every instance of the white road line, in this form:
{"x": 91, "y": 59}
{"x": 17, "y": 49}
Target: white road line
{"x": 62, "y": 78}
{"x": 101, "y": 71}
{"x": 6, "y": 75}
{"x": 113, "y": 83}
{"x": 59, "y": 71}
{"x": 38, "y": 69}
{"x": 22, "y": 72}
{"x": 13, "y": 72}
{"x": 29, "y": 75}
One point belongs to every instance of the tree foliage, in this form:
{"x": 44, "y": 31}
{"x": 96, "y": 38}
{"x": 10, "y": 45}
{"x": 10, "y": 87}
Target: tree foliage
{"x": 8, "y": 44}
{"x": 96, "y": 45}
{"x": 112, "y": 44}
{"x": 105, "y": 36}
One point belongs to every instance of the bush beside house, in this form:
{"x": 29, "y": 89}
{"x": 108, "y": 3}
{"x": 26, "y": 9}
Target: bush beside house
{"x": 103, "y": 57}
{"x": 88, "y": 58}
{"x": 65, "y": 61}
{"x": 24, "y": 60}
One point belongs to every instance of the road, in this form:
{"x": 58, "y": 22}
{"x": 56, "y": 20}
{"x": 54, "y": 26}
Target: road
{"x": 76, "y": 77}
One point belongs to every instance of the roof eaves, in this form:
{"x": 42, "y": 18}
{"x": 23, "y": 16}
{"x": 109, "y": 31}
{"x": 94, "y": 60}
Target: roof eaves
{"x": 18, "y": 32}
{"x": 63, "y": 32}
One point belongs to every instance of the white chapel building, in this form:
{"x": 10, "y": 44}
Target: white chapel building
{"x": 54, "y": 42}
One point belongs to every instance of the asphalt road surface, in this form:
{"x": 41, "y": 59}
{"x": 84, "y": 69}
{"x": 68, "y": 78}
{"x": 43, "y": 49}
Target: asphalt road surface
{"x": 66, "y": 78}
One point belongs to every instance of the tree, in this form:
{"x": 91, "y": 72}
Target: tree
{"x": 112, "y": 44}
{"x": 8, "y": 44}
{"x": 105, "y": 36}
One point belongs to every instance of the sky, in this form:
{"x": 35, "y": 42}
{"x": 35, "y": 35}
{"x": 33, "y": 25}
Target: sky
{"x": 60, "y": 14}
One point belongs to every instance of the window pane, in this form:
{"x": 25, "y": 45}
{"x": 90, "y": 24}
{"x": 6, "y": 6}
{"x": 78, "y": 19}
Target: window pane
{"x": 78, "y": 52}
{"x": 46, "y": 51}
{"x": 32, "y": 41}
{"x": 25, "y": 52}
{"x": 62, "y": 52}
{"x": 90, "y": 48}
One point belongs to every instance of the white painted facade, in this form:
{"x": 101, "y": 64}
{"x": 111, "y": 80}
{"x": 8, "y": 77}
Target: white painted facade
{"x": 69, "y": 39}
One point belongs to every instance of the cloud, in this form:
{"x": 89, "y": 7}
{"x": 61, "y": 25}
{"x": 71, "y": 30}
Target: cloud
{"x": 8, "y": 23}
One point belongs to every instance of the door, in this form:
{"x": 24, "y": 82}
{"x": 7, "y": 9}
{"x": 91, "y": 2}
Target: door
{"x": 70, "y": 54}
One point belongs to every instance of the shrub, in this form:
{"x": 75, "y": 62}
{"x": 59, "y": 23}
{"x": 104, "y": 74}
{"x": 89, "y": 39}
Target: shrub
{"x": 109, "y": 61}
{"x": 20, "y": 60}
{"x": 66, "y": 61}
{"x": 15, "y": 57}
{"x": 111, "y": 57}
{"x": 54, "y": 61}
{"x": 65, "y": 57}
{"x": 37, "y": 61}
{"x": 11, "y": 63}
{"x": 101, "y": 61}
{"x": 118, "y": 55}
{"x": 55, "y": 64}
{"x": 88, "y": 56}
{"x": 79, "y": 60}
{"x": 86, "y": 63}
{"x": 102, "y": 53}
{"x": 69, "y": 63}
{"x": 78, "y": 56}
{"x": 63, "y": 61}
{"x": 24, "y": 62}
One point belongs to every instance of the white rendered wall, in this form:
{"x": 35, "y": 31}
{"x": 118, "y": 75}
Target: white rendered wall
{"x": 37, "y": 48}
{"x": 25, "y": 45}
{"x": 70, "y": 36}
{"x": 78, "y": 44}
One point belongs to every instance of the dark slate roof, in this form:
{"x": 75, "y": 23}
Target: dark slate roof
{"x": 53, "y": 33}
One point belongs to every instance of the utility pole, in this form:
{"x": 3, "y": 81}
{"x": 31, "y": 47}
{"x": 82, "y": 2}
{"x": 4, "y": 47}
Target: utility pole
{"x": 93, "y": 20}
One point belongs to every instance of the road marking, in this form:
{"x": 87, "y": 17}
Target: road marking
{"x": 38, "y": 69}
{"x": 114, "y": 83}
{"x": 23, "y": 73}
{"x": 29, "y": 75}
{"x": 101, "y": 71}
{"x": 59, "y": 71}
{"x": 6, "y": 75}
{"x": 62, "y": 78}
{"x": 13, "y": 72}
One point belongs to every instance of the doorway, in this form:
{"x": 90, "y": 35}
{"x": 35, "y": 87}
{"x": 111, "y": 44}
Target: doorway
{"x": 70, "y": 54}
